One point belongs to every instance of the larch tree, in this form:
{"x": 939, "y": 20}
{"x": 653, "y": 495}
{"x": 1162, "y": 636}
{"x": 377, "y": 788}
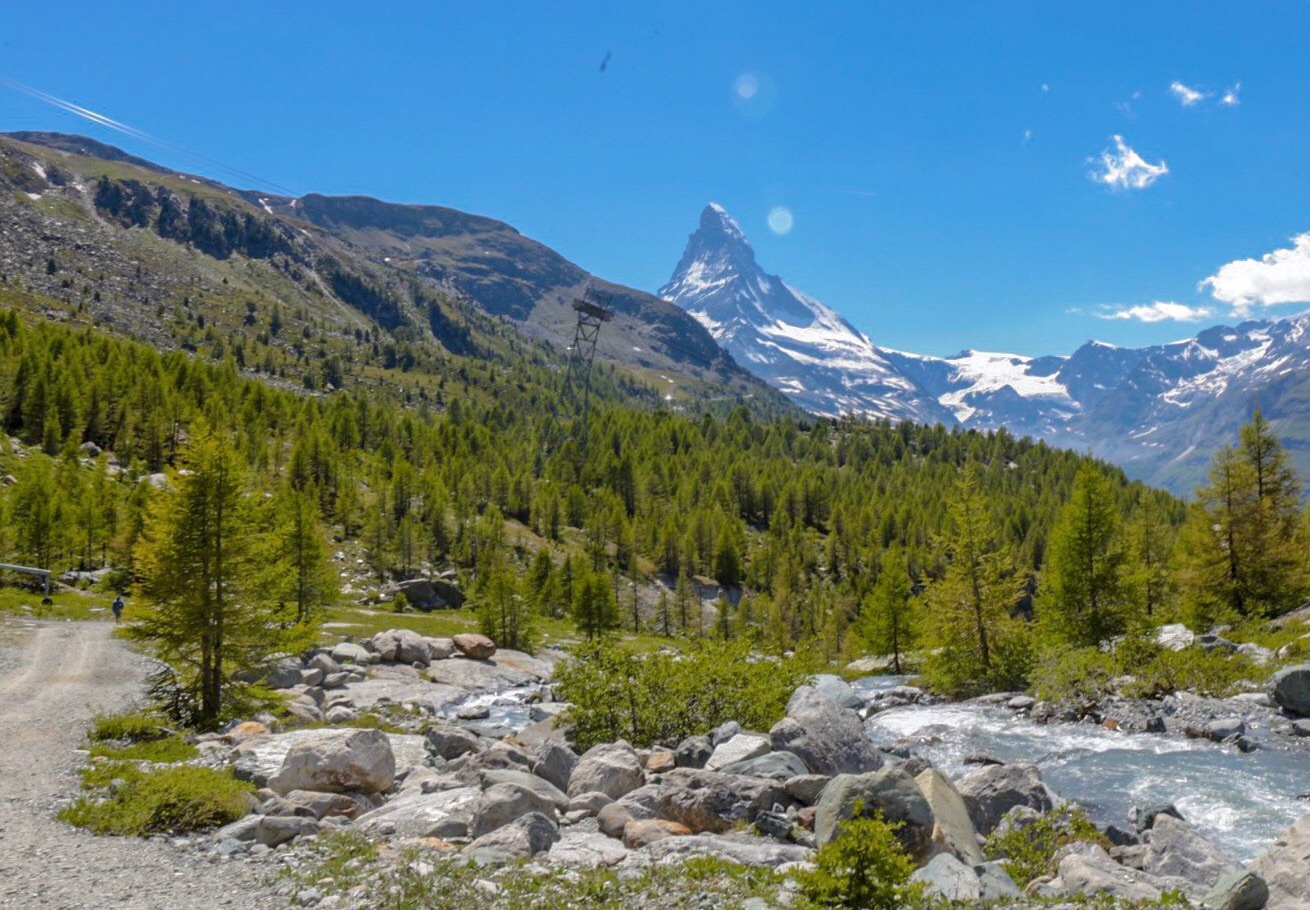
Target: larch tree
{"x": 980, "y": 646}
{"x": 1084, "y": 599}
{"x": 885, "y": 625}
{"x": 206, "y": 609}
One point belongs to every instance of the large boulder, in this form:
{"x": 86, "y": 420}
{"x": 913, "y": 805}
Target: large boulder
{"x": 889, "y": 792}
{"x": 338, "y": 761}
{"x": 952, "y": 831}
{"x": 839, "y": 690}
{"x": 1241, "y": 890}
{"x": 444, "y": 814}
{"x": 555, "y": 763}
{"x": 780, "y": 766}
{"x": 693, "y": 752}
{"x": 539, "y": 785}
{"x": 1290, "y": 689}
{"x": 828, "y": 738}
{"x": 1284, "y": 868}
{"x": 584, "y": 850}
{"x": 610, "y": 768}
{"x": 1179, "y": 850}
{"x": 522, "y": 838}
{"x": 474, "y": 645}
{"x": 992, "y": 791}
{"x": 741, "y": 747}
{"x": 946, "y": 877}
{"x": 501, "y": 803}
{"x": 450, "y": 742}
{"x": 1175, "y": 637}
{"x": 712, "y": 801}
{"x": 428, "y": 594}
{"x": 1090, "y": 872}
{"x": 403, "y": 646}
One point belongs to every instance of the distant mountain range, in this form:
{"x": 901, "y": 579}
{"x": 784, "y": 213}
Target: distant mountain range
{"x": 1159, "y": 411}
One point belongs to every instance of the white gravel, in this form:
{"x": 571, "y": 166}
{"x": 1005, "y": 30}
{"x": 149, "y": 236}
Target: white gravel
{"x": 53, "y": 678}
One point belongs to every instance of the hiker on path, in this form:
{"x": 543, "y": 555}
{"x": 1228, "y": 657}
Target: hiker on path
{"x": 118, "y": 608}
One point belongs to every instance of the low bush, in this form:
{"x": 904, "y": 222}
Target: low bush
{"x": 1029, "y": 850}
{"x": 863, "y": 868}
{"x": 132, "y": 726}
{"x": 646, "y": 699}
{"x": 161, "y": 800}
{"x": 171, "y": 748}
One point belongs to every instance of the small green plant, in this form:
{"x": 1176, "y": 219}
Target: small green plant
{"x": 863, "y": 868}
{"x": 132, "y": 726}
{"x": 400, "y": 603}
{"x": 1029, "y": 849}
{"x": 171, "y": 748}
{"x": 162, "y": 800}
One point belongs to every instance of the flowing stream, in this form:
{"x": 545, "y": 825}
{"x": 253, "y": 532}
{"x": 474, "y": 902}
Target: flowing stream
{"x": 1241, "y": 801}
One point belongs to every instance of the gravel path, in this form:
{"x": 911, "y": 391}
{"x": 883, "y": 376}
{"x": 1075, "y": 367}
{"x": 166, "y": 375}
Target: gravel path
{"x": 53, "y": 678}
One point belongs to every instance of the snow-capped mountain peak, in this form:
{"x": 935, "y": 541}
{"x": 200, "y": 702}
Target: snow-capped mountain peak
{"x": 786, "y": 337}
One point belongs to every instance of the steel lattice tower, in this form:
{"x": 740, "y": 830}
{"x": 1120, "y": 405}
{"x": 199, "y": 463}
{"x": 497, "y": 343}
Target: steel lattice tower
{"x": 575, "y": 393}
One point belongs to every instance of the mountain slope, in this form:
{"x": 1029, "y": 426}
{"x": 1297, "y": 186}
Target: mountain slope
{"x": 175, "y": 259}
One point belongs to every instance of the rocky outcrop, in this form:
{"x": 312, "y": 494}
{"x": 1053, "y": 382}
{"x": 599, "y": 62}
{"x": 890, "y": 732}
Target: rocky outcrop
{"x": 1284, "y": 868}
{"x": 829, "y": 739}
{"x": 338, "y": 761}
{"x": 708, "y": 801}
{"x": 1179, "y": 850}
{"x": 610, "y": 768}
{"x": 889, "y": 792}
{"x": 1290, "y": 690}
{"x": 992, "y": 791}
{"x": 952, "y": 831}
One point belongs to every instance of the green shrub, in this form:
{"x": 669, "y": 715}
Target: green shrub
{"x": 400, "y": 603}
{"x": 863, "y": 867}
{"x": 617, "y": 693}
{"x": 134, "y": 726}
{"x": 1029, "y": 850}
{"x": 162, "y": 800}
{"x": 1067, "y": 673}
{"x": 171, "y": 748}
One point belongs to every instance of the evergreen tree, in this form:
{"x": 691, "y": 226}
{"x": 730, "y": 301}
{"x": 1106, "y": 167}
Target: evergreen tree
{"x": 885, "y": 625}
{"x": 1084, "y": 595}
{"x": 594, "y": 609}
{"x": 1149, "y": 573}
{"x": 979, "y": 645}
{"x": 204, "y": 609}
{"x": 308, "y": 583}
{"x": 504, "y": 614}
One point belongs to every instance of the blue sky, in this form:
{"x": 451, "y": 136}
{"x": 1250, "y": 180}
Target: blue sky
{"x": 941, "y": 162}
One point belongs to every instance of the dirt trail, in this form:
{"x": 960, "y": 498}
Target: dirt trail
{"x": 52, "y": 680}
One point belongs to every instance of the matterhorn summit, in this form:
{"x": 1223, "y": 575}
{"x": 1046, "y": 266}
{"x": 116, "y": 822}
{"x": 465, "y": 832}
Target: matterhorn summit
{"x": 785, "y": 337}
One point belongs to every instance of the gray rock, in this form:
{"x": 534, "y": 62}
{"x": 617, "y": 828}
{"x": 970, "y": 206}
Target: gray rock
{"x": 749, "y": 851}
{"x": 555, "y": 763}
{"x": 741, "y": 747}
{"x": 338, "y": 761}
{"x": 1242, "y": 890}
{"x": 1175, "y": 637}
{"x": 995, "y": 883}
{"x": 243, "y": 829}
{"x": 440, "y": 648}
{"x": 403, "y": 646}
{"x": 693, "y": 752}
{"x": 712, "y": 801}
{"x": 273, "y": 830}
{"x": 505, "y": 670}
{"x": 474, "y": 645}
{"x": 585, "y": 850}
{"x": 891, "y": 792}
{"x": 539, "y": 785}
{"x": 838, "y": 690}
{"x": 590, "y": 803}
{"x": 992, "y": 791}
{"x": 724, "y": 732}
{"x": 780, "y": 766}
{"x": 350, "y": 653}
{"x": 952, "y": 829}
{"x": 828, "y": 738}
{"x": 450, "y": 742}
{"x": 1290, "y": 689}
{"x": 1220, "y": 729}
{"x": 1147, "y": 817}
{"x": 1210, "y": 641}
{"x": 806, "y": 788}
{"x": 523, "y": 838}
{"x": 946, "y": 877}
{"x": 444, "y": 813}
{"x": 1093, "y": 872}
{"x": 612, "y": 819}
{"x": 1256, "y": 653}
{"x": 609, "y": 768}
{"x": 284, "y": 673}
{"x": 1283, "y": 867}
{"x": 322, "y": 805}
{"x": 502, "y": 803}
{"x": 428, "y": 594}
{"x": 1178, "y": 850}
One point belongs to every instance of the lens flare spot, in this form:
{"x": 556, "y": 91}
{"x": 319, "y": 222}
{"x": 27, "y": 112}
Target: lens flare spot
{"x": 747, "y": 86}
{"x": 780, "y": 220}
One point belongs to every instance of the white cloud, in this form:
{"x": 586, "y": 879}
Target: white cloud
{"x": 1282, "y": 276}
{"x": 1186, "y": 95}
{"x": 1232, "y": 97}
{"x": 1124, "y": 169}
{"x": 1160, "y": 311}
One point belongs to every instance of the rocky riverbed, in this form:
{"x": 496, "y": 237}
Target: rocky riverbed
{"x": 474, "y": 765}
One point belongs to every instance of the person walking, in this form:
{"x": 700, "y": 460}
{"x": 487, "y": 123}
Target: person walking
{"x": 118, "y": 608}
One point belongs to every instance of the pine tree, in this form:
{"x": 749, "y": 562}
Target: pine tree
{"x": 504, "y": 614}
{"x": 1084, "y": 596}
{"x": 308, "y": 583}
{"x": 205, "y": 611}
{"x": 979, "y": 645}
{"x": 1149, "y": 573}
{"x": 885, "y": 625}
{"x": 594, "y": 609}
